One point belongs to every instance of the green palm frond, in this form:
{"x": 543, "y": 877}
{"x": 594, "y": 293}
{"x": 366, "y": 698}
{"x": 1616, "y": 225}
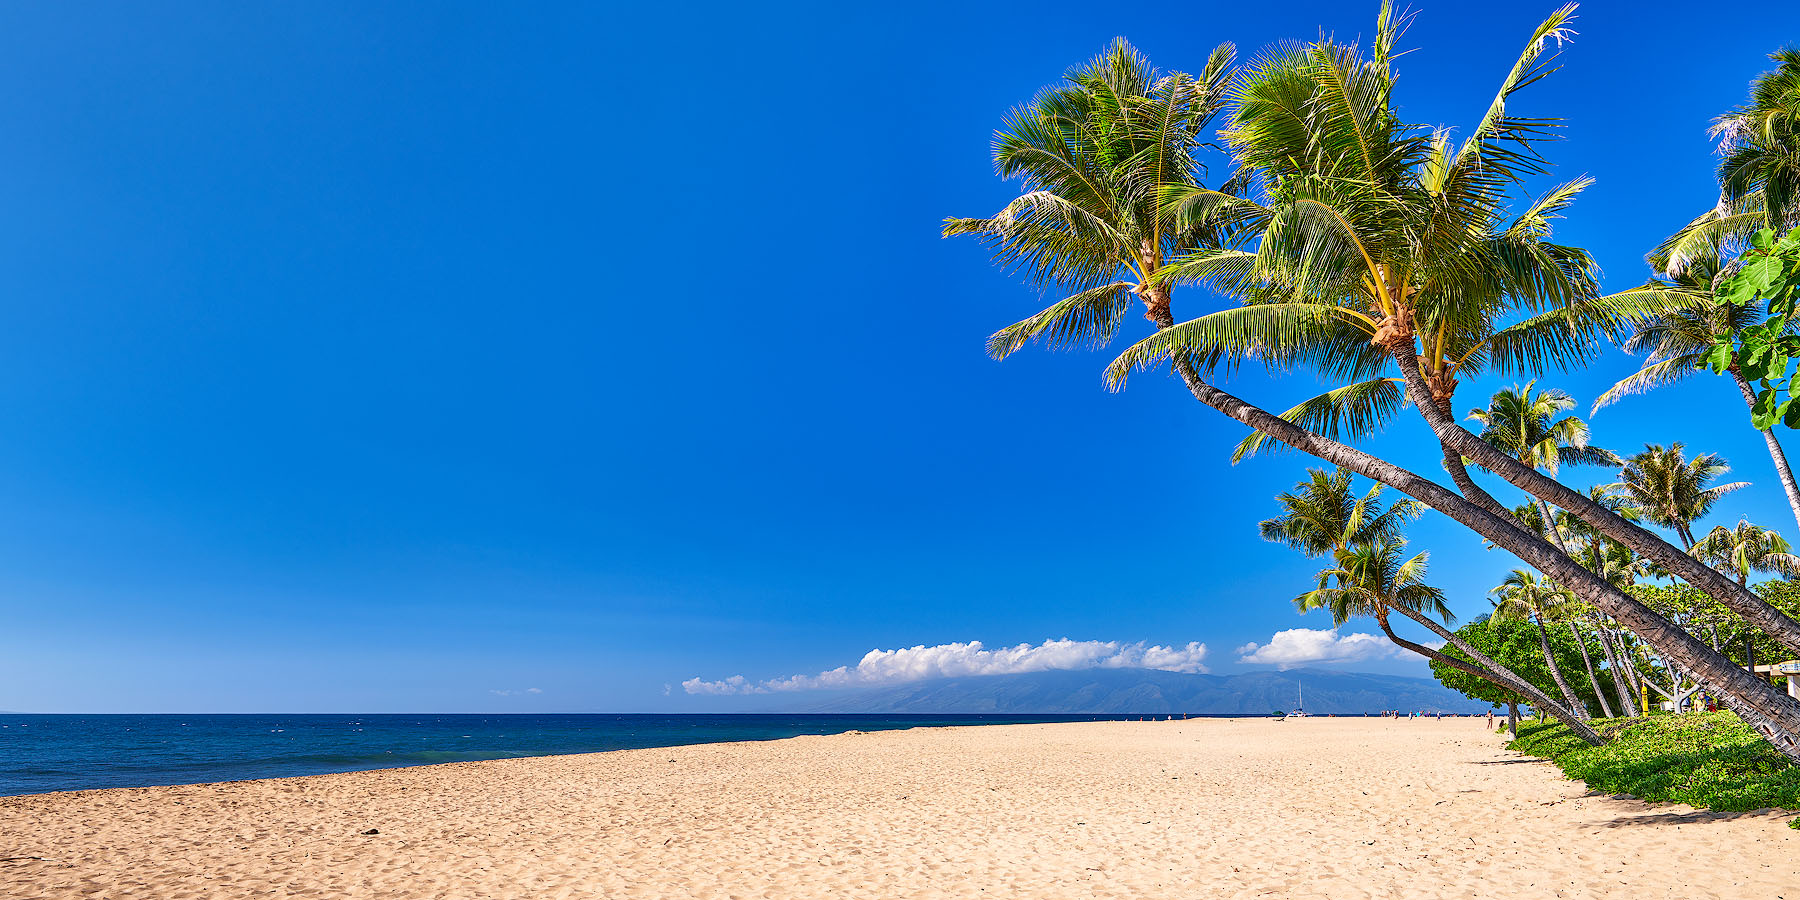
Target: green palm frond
{"x": 1347, "y": 413}
{"x": 1651, "y": 376}
{"x": 1091, "y": 317}
{"x": 1274, "y": 332}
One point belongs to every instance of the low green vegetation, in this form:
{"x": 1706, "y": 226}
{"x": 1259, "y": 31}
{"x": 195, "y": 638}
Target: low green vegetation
{"x": 1708, "y": 760}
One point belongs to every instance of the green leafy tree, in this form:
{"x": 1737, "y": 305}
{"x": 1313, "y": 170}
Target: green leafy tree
{"x": 1510, "y": 643}
{"x": 1766, "y": 281}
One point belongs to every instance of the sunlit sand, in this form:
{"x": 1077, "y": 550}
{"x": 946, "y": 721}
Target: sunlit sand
{"x": 1325, "y": 808}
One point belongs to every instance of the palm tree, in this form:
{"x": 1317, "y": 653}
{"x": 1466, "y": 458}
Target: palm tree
{"x": 1522, "y": 595}
{"x": 1367, "y": 227}
{"x": 1366, "y": 232}
{"x": 1092, "y": 154}
{"x": 1761, "y": 142}
{"x": 1342, "y": 97}
{"x": 1324, "y": 516}
{"x": 1523, "y": 423}
{"x": 1747, "y": 548}
{"x": 1377, "y": 578}
{"x": 1679, "y": 340}
{"x": 1673, "y": 491}
{"x": 1759, "y": 168}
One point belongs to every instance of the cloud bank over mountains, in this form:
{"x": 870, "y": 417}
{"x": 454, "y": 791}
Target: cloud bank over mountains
{"x": 1306, "y": 646}
{"x": 885, "y": 667}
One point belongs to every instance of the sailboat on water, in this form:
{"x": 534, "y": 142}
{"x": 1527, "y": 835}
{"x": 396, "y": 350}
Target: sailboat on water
{"x": 1299, "y": 710}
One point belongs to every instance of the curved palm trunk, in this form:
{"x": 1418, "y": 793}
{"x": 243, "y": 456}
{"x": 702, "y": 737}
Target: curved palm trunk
{"x": 1500, "y": 676}
{"x": 1770, "y": 712}
{"x": 1556, "y": 675}
{"x": 1509, "y": 679}
{"x": 1587, "y": 662}
{"x": 1459, "y": 439}
{"x": 1776, "y": 455}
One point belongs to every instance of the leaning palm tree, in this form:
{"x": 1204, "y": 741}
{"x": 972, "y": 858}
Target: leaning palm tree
{"x": 1523, "y": 596}
{"x": 1523, "y": 423}
{"x": 1673, "y": 491}
{"x": 1747, "y": 548}
{"x": 1093, "y": 153}
{"x": 1341, "y": 96}
{"x": 1324, "y": 516}
{"x": 1377, "y": 578}
{"x": 1364, "y": 233}
{"x": 1679, "y": 340}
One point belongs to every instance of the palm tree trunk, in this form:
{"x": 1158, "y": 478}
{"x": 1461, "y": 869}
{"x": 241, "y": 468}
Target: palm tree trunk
{"x": 1556, "y": 675}
{"x": 1776, "y": 456}
{"x": 1769, "y": 712}
{"x": 1512, "y": 718}
{"x": 1587, "y": 662}
{"x": 1456, "y": 438}
{"x": 1621, "y": 680}
{"x": 1506, "y": 677}
{"x": 1509, "y": 681}
{"x": 1686, "y": 533}
{"x": 1459, "y": 475}
{"x": 1551, "y": 529}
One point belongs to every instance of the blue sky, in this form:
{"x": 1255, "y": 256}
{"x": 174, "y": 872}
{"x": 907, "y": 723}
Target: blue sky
{"x": 389, "y": 357}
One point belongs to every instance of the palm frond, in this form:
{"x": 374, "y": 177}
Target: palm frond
{"x": 1347, "y": 413}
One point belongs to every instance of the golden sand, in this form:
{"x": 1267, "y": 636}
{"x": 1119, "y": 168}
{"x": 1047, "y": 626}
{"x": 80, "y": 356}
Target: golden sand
{"x": 1321, "y": 808}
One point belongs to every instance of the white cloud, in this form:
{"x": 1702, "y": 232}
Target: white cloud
{"x": 509, "y": 692}
{"x": 1299, "y": 646}
{"x": 947, "y": 660}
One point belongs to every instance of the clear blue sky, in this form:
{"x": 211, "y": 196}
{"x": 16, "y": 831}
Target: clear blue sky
{"x": 383, "y": 357}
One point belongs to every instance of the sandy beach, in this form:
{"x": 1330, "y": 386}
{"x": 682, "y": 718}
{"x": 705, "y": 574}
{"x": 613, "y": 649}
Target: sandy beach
{"x": 1325, "y": 808}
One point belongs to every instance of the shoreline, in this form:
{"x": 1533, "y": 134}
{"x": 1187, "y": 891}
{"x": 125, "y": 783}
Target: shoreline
{"x": 1325, "y": 807}
{"x": 63, "y": 752}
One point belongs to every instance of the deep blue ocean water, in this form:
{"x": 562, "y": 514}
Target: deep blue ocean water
{"x": 77, "y": 752}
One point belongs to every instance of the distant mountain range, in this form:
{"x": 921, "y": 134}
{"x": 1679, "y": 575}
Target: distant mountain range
{"x": 1147, "y": 691}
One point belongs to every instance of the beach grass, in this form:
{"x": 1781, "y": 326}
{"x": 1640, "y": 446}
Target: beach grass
{"x": 1707, "y": 760}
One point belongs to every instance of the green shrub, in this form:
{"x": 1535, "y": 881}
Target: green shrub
{"x": 1707, "y": 760}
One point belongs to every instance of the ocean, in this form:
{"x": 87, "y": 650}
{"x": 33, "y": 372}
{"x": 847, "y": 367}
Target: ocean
{"x": 41, "y": 753}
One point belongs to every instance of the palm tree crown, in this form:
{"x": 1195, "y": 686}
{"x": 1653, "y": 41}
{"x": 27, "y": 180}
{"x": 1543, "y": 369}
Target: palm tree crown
{"x": 1522, "y": 595}
{"x": 1671, "y": 490}
{"x": 1523, "y": 422}
{"x": 1369, "y": 579}
{"x": 1678, "y": 338}
{"x": 1759, "y": 168}
{"x": 1323, "y": 514}
{"x": 1361, "y": 238}
{"x": 1747, "y": 548}
{"x": 1761, "y": 142}
{"x": 1092, "y": 154}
